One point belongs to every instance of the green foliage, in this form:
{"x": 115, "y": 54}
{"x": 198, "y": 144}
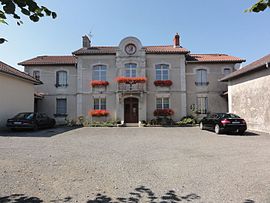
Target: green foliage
{"x": 187, "y": 120}
{"x": 82, "y": 121}
{"x": 28, "y": 8}
{"x": 261, "y": 5}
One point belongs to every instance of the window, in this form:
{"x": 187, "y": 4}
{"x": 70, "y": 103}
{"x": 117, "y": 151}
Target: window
{"x": 227, "y": 71}
{"x": 162, "y": 72}
{"x": 201, "y": 79}
{"x": 163, "y": 103}
{"x": 130, "y": 69}
{"x": 99, "y": 72}
{"x": 36, "y": 74}
{"x": 61, "y": 79}
{"x": 202, "y": 105}
{"x": 61, "y": 106}
{"x": 100, "y": 103}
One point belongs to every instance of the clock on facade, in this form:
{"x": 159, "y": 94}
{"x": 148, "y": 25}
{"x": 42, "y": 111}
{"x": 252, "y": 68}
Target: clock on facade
{"x": 130, "y": 49}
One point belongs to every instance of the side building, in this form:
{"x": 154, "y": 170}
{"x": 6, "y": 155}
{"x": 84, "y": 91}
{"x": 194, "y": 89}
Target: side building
{"x": 131, "y": 82}
{"x": 248, "y": 93}
{"x": 17, "y": 92}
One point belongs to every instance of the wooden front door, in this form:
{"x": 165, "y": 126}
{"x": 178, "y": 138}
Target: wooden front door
{"x": 131, "y": 110}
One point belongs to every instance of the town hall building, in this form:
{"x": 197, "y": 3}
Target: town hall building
{"x": 131, "y": 82}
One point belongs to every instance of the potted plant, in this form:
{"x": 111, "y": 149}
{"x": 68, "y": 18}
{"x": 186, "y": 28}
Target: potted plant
{"x": 98, "y": 113}
{"x": 131, "y": 80}
{"x": 163, "y": 83}
{"x": 99, "y": 83}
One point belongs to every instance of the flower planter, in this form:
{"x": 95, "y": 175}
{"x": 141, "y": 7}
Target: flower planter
{"x": 163, "y": 112}
{"x": 99, "y": 83}
{"x": 163, "y": 83}
{"x": 98, "y": 113}
{"x": 131, "y": 80}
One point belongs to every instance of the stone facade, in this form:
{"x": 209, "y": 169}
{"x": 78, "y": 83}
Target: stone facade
{"x": 180, "y": 70}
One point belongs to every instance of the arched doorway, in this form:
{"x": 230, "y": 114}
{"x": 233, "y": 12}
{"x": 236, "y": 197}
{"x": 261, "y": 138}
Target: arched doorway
{"x": 131, "y": 110}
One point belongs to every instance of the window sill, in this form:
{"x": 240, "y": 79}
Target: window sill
{"x": 60, "y": 115}
{"x": 201, "y": 83}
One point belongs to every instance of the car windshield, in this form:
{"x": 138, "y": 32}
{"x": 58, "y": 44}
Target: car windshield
{"x": 27, "y": 116}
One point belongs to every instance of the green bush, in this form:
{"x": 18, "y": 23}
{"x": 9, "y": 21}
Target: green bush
{"x": 187, "y": 120}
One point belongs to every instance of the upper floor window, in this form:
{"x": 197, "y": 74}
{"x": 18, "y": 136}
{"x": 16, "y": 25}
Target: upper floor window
{"x": 201, "y": 77}
{"x": 202, "y": 105}
{"x": 61, "y": 79}
{"x": 100, "y": 103}
{"x": 162, "y": 72}
{"x": 36, "y": 74}
{"x": 99, "y": 72}
{"x": 130, "y": 69}
{"x": 226, "y": 71}
{"x": 61, "y": 107}
{"x": 163, "y": 103}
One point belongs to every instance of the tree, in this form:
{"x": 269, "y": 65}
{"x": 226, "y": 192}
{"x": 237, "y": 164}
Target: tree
{"x": 28, "y": 8}
{"x": 261, "y": 5}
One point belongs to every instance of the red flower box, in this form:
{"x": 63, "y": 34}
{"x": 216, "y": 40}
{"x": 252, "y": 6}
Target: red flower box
{"x": 99, "y": 83}
{"x": 131, "y": 80}
{"x": 98, "y": 113}
{"x": 163, "y": 83}
{"x": 163, "y": 112}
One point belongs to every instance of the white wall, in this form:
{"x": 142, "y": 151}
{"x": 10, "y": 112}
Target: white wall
{"x": 15, "y": 96}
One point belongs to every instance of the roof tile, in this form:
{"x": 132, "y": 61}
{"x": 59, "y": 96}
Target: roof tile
{"x": 50, "y": 60}
{"x": 7, "y": 69}
{"x": 212, "y": 58}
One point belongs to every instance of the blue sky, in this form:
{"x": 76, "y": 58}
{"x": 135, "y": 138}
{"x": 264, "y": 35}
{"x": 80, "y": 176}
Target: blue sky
{"x": 208, "y": 26}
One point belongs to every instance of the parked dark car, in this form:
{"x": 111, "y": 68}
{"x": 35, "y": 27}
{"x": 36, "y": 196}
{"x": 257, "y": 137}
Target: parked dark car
{"x": 224, "y": 123}
{"x": 30, "y": 120}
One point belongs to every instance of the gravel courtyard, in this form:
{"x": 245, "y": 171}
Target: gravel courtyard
{"x": 134, "y": 165}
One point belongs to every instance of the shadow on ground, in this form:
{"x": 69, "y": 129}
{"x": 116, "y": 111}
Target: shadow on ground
{"x": 38, "y": 133}
{"x": 247, "y": 133}
{"x": 140, "y": 194}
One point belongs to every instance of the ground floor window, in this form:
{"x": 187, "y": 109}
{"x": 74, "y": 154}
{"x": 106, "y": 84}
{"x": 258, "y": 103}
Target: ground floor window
{"x": 163, "y": 103}
{"x": 202, "y": 105}
{"x": 61, "y": 106}
{"x": 100, "y": 103}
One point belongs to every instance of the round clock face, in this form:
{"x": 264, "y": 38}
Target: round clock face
{"x": 130, "y": 49}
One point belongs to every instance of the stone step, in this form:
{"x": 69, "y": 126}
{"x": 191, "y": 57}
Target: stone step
{"x": 131, "y": 124}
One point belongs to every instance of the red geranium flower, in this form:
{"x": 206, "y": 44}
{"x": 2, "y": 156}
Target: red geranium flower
{"x": 163, "y": 83}
{"x": 131, "y": 80}
{"x": 163, "y": 112}
{"x": 98, "y": 113}
{"x": 99, "y": 83}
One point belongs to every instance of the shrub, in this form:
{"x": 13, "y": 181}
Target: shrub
{"x": 187, "y": 120}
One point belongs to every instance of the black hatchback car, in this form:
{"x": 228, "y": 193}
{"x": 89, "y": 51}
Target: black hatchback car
{"x": 30, "y": 120}
{"x": 224, "y": 123}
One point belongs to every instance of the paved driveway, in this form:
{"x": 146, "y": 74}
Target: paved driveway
{"x": 134, "y": 165}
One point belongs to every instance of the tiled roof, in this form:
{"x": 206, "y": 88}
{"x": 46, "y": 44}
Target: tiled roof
{"x": 111, "y": 50}
{"x": 7, "y": 69}
{"x": 50, "y": 60}
{"x": 212, "y": 58}
{"x": 254, "y": 66}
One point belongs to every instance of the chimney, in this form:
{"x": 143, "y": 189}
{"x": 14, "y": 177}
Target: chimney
{"x": 86, "y": 41}
{"x": 176, "y": 40}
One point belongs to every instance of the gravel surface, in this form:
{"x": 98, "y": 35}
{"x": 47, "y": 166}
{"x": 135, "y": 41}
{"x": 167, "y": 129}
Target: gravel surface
{"x": 134, "y": 165}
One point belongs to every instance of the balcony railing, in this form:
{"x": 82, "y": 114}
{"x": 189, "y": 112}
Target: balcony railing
{"x": 137, "y": 87}
{"x": 201, "y": 83}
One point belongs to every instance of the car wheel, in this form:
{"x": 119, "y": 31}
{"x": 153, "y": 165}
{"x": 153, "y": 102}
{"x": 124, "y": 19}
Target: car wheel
{"x": 52, "y": 124}
{"x": 201, "y": 126}
{"x": 217, "y": 129}
{"x": 35, "y": 128}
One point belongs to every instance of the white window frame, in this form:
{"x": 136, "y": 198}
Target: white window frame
{"x": 199, "y": 104}
{"x": 200, "y": 81}
{"x": 130, "y": 70}
{"x": 163, "y": 67}
{"x": 227, "y": 68}
{"x": 57, "y": 84}
{"x": 99, "y": 105}
{"x": 163, "y": 103}
{"x": 99, "y": 70}
{"x": 56, "y": 107}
